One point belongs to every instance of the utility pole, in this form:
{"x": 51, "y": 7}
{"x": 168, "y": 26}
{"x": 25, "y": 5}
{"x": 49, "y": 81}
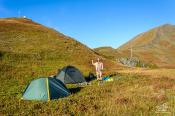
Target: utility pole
{"x": 131, "y": 54}
{"x": 19, "y": 13}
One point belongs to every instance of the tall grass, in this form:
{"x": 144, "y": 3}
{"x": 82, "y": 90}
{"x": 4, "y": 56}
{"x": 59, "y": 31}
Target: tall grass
{"x": 128, "y": 94}
{"x": 28, "y": 51}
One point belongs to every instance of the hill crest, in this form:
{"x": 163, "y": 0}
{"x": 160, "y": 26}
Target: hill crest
{"x": 155, "y": 46}
{"x": 150, "y": 38}
{"x": 25, "y": 42}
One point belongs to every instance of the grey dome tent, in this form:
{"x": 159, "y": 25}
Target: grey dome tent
{"x": 45, "y": 89}
{"x": 70, "y": 75}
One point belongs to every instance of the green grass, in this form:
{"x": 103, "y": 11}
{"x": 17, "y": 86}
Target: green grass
{"x": 29, "y": 50}
{"x": 154, "y": 47}
{"x": 24, "y": 41}
{"x": 127, "y": 95}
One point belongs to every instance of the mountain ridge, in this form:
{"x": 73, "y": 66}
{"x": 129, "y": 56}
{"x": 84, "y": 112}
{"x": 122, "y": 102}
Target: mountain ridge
{"x": 154, "y": 46}
{"x": 28, "y": 44}
{"x": 151, "y": 35}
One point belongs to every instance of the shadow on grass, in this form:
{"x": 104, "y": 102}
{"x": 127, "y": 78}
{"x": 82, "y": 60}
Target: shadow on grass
{"x": 112, "y": 75}
{"x": 75, "y": 90}
{"x": 90, "y": 77}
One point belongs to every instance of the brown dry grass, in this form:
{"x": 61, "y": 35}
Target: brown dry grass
{"x": 131, "y": 92}
{"x": 154, "y": 73}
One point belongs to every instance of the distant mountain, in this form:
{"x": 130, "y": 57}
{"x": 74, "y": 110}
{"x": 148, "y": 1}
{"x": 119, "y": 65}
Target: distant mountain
{"x": 156, "y": 46}
{"x": 31, "y": 48}
{"x": 155, "y": 38}
{"x": 108, "y": 52}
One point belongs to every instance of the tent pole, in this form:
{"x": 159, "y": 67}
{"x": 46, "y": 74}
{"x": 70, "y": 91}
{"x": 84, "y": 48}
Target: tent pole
{"x": 48, "y": 92}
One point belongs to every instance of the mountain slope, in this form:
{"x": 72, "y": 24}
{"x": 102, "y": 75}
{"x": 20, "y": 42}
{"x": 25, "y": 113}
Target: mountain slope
{"x": 29, "y": 50}
{"x": 153, "y": 38}
{"x": 27, "y": 45}
{"x": 156, "y": 46}
{"x": 108, "y": 52}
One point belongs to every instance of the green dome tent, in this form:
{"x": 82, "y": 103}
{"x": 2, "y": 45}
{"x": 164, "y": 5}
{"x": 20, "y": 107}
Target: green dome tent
{"x": 45, "y": 89}
{"x": 70, "y": 75}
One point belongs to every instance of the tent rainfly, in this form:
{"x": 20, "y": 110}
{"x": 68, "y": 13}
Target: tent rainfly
{"x": 70, "y": 75}
{"x": 45, "y": 89}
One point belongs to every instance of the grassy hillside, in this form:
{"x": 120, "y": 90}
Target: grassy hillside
{"x": 155, "y": 46}
{"x": 108, "y": 52}
{"x": 153, "y": 37}
{"x": 131, "y": 93}
{"x": 29, "y": 50}
{"x": 25, "y": 42}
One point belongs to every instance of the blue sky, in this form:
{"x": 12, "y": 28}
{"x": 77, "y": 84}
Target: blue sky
{"x": 94, "y": 22}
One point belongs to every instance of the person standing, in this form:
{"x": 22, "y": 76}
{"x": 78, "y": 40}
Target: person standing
{"x": 98, "y": 68}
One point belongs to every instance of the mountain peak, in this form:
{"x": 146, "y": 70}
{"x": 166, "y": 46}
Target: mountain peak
{"x": 156, "y": 45}
{"x": 14, "y": 20}
{"x": 167, "y": 25}
{"x": 152, "y": 37}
